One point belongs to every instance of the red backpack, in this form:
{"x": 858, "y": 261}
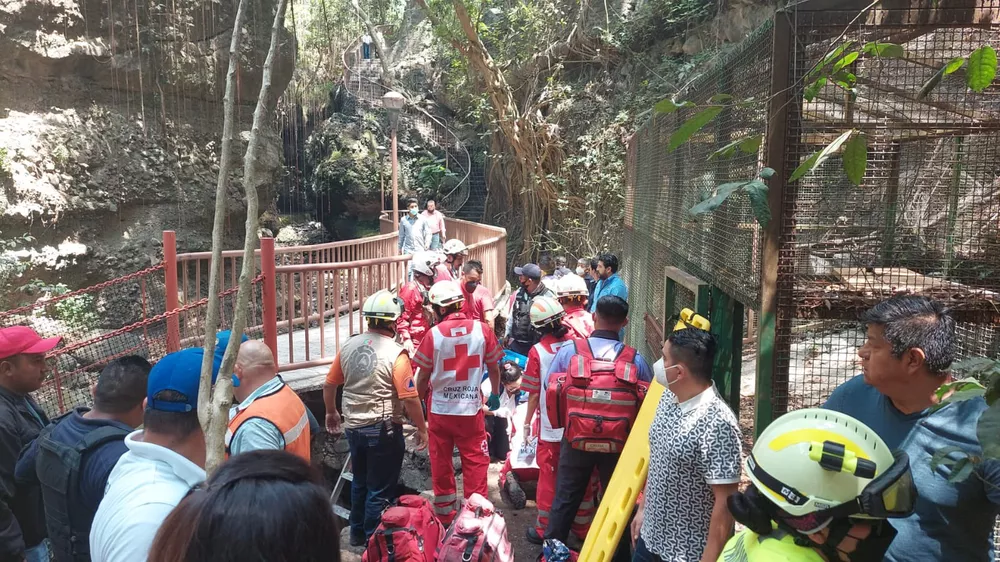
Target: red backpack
{"x": 409, "y": 532}
{"x": 596, "y": 400}
{"x": 478, "y": 534}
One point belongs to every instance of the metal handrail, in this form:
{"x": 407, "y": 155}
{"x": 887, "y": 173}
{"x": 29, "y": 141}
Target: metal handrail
{"x": 353, "y": 47}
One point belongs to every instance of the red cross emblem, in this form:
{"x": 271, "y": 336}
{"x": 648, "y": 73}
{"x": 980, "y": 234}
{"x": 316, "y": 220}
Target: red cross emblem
{"x": 462, "y": 363}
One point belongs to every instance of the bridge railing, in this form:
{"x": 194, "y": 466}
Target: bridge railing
{"x": 318, "y": 304}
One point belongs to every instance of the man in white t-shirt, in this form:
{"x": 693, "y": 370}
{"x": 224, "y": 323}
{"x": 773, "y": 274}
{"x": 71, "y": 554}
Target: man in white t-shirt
{"x": 164, "y": 461}
{"x": 694, "y": 459}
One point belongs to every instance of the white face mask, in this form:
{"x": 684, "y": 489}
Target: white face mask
{"x": 579, "y": 271}
{"x": 660, "y": 373}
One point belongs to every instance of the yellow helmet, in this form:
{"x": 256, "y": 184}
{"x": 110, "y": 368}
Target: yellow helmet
{"x": 445, "y": 293}
{"x": 383, "y": 305}
{"x": 572, "y": 285}
{"x": 815, "y": 460}
{"x": 545, "y": 310}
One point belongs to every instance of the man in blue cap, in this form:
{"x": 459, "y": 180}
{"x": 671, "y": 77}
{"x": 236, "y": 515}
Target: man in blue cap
{"x": 164, "y": 461}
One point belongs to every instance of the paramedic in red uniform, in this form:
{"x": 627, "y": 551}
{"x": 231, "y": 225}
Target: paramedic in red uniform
{"x": 454, "y": 256}
{"x": 576, "y": 466}
{"x": 573, "y": 292}
{"x": 478, "y": 300}
{"x": 451, "y": 361}
{"x": 548, "y": 317}
{"x": 413, "y": 323}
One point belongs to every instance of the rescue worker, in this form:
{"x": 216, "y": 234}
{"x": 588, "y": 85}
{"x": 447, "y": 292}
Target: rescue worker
{"x": 451, "y": 361}
{"x": 414, "y": 322}
{"x": 573, "y": 293}
{"x": 820, "y": 501}
{"x": 576, "y": 466}
{"x": 268, "y": 414}
{"x": 548, "y": 317}
{"x": 454, "y": 256}
{"x": 478, "y": 301}
{"x": 73, "y": 457}
{"x": 520, "y": 334}
{"x": 378, "y": 384}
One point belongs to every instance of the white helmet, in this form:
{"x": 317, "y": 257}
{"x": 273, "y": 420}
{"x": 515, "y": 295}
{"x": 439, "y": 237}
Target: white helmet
{"x": 545, "y": 310}
{"x": 425, "y": 262}
{"x": 383, "y": 305}
{"x": 454, "y": 247}
{"x": 572, "y": 285}
{"x": 813, "y": 460}
{"x": 445, "y": 293}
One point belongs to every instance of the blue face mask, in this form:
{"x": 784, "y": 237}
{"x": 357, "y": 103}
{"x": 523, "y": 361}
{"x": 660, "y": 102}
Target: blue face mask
{"x": 414, "y": 211}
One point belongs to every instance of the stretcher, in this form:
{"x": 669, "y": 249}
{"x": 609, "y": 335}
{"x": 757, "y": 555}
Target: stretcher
{"x": 629, "y": 478}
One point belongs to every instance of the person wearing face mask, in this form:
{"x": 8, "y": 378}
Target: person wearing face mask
{"x": 820, "y": 501}
{"x": 478, "y": 301}
{"x": 414, "y": 231}
{"x": 521, "y": 335}
{"x": 694, "y": 458}
{"x": 415, "y": 320}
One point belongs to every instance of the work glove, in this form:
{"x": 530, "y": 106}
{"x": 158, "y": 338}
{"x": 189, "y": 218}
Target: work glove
{"x": 493, "y": 403}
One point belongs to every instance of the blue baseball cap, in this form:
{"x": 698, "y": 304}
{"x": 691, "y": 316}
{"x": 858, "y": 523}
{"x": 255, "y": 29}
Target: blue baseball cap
{"x": 180, "y": 372}
{"x": 221, "y": 343}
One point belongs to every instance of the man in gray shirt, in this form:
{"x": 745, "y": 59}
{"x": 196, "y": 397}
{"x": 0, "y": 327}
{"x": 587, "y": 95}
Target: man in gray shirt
{"x": 414, "y": 232}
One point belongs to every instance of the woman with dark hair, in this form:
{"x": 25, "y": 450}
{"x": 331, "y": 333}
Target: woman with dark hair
{"x": 261, "y": 505}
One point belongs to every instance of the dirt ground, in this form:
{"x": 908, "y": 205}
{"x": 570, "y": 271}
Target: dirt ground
{"x": 416, "y": 477}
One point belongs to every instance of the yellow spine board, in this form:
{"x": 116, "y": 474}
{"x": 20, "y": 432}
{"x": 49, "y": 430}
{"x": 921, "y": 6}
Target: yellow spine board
{"x": 627, "y": 481}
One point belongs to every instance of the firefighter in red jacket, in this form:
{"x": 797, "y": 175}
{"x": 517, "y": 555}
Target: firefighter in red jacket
{"x": 572, "y": 291}
{"x": 549, "y": 318}
{"x": 413, "y": 324}
{"x": 451, "y": 361}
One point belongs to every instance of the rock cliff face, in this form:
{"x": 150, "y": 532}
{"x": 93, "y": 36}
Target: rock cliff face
{"x": 110, "y": 125}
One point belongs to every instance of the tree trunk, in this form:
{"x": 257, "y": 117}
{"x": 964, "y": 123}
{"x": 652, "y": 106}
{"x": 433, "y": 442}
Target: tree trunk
{"x": 254, "y": 174}
{"x": 377, "y": 39}
{"x": 225, "y": 163}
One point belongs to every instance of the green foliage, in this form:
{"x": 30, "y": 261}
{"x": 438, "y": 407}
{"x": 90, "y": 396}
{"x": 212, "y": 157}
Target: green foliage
{"x": 4, "y": 161}
{"x": 431, "y": 173}
{"x": 856, "y": 158}
{"x": 982, "y": 68}
{"x": 755, "y": 189}
{"x": 817, "y": 158}
{"x": 746, "y": 145}
{"x": 949, "y": 67}
{"x": 693, "y": 125}
{"x": 78, "y": 312}
{"x": 656, "y": 20}
{"x": 11, "y": 267}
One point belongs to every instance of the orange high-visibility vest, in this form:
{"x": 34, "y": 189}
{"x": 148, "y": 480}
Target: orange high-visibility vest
{"x": 283, "y": 408}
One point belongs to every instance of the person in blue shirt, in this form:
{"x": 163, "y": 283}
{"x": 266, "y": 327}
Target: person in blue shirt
{"x": 575, "y": 466}
{"x": 97, "y": 435}
{"x": 910, "y": 346}
{"x": 609, "y": 283}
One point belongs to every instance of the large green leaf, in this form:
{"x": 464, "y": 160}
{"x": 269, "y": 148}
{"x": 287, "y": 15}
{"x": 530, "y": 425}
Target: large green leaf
{"x": 884, "y": 50}
{"x": 961, "y": 470}
{"x": 982, "y": 68}
{"x": 833, "y": 55}
{"x": 748, "y": 145}
{"x": 669, "y": 105}
{"x": 817, "y": 158}
{"x": 942, "y": 456}
{"x": 958, "y": 391}
{"x": 845, "y": 61}
{"x": 721, "y": 194}
{"x": 692, "y": 126}
{"x": 988, "y": 432}
{"x": 812, "y": 90}
{"x": 757, "y": 192}
{"x": 856, "y": 158}
{"x": 949, "y": 67}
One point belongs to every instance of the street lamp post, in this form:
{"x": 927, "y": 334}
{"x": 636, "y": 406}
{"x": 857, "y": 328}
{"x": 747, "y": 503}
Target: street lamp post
{"x": 393, "y": 103}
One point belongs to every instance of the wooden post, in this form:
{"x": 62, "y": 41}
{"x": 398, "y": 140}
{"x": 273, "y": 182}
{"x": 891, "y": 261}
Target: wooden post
{"x": 270, "y": 297}
{"x": 767, "y": 331}
{"x": 170, "y": 283}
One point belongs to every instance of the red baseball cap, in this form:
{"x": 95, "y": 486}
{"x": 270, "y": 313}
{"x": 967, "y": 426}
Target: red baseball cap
{"x": 22, "y": 339}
